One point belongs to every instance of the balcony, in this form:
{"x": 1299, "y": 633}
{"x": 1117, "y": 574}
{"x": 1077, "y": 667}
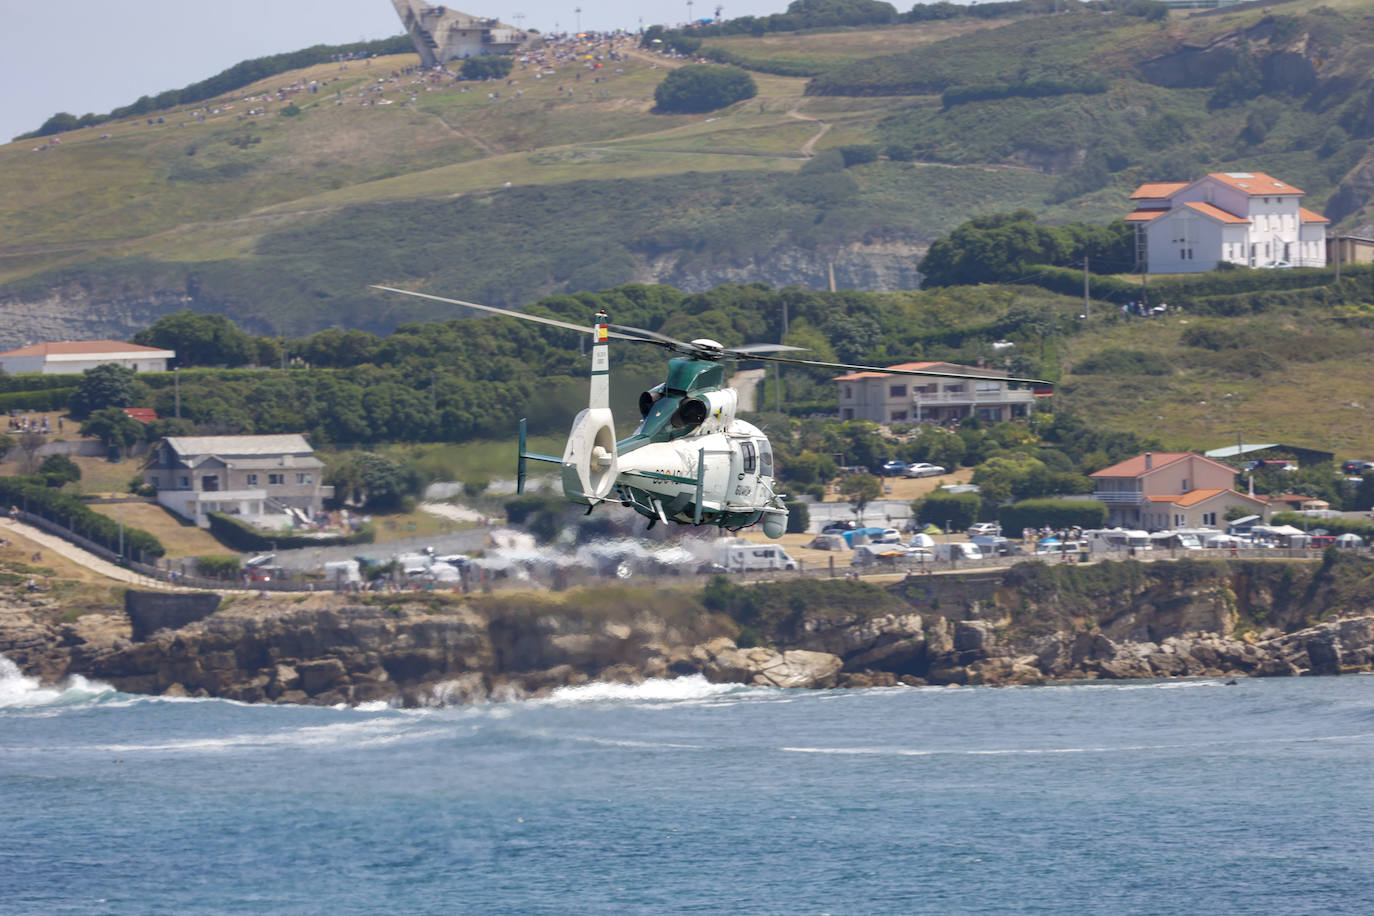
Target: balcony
{"x": 1117, "y": 497}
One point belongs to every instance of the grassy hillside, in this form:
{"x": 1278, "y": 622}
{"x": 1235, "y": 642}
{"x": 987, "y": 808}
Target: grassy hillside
{"x": 278, "y": 203}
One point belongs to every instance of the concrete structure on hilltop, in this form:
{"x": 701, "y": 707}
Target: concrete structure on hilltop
{"x": 73, "y": 356}
{"x": 267, "y": 480}
{"x": 1244, "y": 218}
{"x": 1159, "y": 490}
{"x": 442, "y": 34}
{"x": 886, "y": 398}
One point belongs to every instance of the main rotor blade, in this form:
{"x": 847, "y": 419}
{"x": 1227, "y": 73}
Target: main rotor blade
{"x": 749, "y": 349}
{"x": 584, "y": 328}
{"x": 915, "y": 372}
{"x": 653, "y": 337}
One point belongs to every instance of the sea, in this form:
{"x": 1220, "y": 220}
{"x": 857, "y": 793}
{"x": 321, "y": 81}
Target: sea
{"x": 681, "y": 796}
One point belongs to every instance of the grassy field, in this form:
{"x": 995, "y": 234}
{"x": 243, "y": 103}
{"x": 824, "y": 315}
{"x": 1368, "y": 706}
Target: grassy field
{"x": 181, "y": 539}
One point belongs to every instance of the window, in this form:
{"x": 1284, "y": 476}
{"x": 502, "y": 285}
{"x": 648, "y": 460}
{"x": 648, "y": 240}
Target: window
{"x": 746, "y": 451}
{"x": 185, "y": 481}
{"x": 848, "y": 391}
{"x": 926, "y": 389}
{"x": 955, "y": 389}
{"x": 765, "y": 458}
{"x": 276, "y": 480}
{"x": 251, "y": 480}
{"x": 896, "y": 391}
{"x": 1209, "y": 519}
{"x": 304, "y": 479}
{"x": 898, "y": 416}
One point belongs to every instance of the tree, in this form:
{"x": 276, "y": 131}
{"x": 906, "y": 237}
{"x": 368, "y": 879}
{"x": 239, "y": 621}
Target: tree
{"x": 114, "y": 427}
{"x": 104, "y": 386}
{"x": 375, "y": 482}
{"x": 861, "y": 489}
{"x": 7, "y": 444}
{"x": 703, "y": 87}
{"x": 200, "y": 340}
{"x": 57, "y": 470}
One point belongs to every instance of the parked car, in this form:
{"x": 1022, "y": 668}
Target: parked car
{"x": 923, "y": 469}
{"x": 840, "y": 527}
{"x": 1357, "y": 467}
{"x": 893, "y": 467}
{"x": 984, "y": 529}
{"x": 1277, "y": 265}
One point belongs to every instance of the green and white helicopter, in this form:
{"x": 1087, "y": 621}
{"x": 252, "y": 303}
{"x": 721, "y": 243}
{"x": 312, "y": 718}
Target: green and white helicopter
{"x": 692, "y": 460}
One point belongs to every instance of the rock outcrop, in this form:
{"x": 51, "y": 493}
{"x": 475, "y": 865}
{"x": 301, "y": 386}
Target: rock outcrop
{"x": 1028, "y": 625}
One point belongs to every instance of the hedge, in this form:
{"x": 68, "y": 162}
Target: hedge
{"x": 956, "y": 511}
{"x": 242, "y": 536}
{"x": 37, "y": 399}
{"x": 70, "y": 512}
{"x": 35, "y": 381}
{"x": 1055, "y": 513}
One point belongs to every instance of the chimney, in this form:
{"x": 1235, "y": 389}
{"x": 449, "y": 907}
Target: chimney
{"x": 1149, "y": 460}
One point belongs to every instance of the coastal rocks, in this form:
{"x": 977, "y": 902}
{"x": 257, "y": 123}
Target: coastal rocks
{"x": 722, "y": 662}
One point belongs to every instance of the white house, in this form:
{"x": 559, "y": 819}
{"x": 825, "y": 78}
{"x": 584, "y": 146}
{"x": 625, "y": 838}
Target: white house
{"x": 74, "y": 356}
{"x": 887, "y": 398}
{"x": 1245, "y": 218}
{"x": 267, "y": 480}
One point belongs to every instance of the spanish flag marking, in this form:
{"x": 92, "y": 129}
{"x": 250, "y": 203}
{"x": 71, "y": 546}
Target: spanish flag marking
{"x": 601, "y": 333}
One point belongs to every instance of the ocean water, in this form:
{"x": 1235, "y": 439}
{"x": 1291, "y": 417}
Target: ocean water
{"x": 682, "y": 796}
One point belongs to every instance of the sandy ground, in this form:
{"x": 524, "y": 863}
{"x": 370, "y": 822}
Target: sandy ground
{"x": 452, "y": 512}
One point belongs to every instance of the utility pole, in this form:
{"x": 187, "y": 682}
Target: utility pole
{"x": 1085, "y": 287}
{"x": 176, "y": 391}
{"x": 578, "y": 11}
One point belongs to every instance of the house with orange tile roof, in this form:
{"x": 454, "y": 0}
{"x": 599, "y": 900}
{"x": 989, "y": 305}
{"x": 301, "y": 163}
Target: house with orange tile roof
{"x": 886, "y": 398}
{"x": 1159, "y": 490}
{"x": 73, "y": 356}
{"x": 1249, "y": 219}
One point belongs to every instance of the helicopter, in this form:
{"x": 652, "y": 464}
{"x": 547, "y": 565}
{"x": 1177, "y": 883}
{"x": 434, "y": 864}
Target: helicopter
{"x": 691, "y": 460}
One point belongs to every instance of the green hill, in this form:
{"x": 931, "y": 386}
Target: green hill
{"x": 277, "y": 203}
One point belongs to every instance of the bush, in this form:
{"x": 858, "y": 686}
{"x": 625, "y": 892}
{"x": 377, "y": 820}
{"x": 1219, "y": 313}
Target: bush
{"x": 703, "y": 87}
{"x": 484, "y": 68}
{"x": 956, "y": 511}
{"x": 57, "y": 470}
{"x": 218, "y": 567}
{"x": 1056, "y": 513}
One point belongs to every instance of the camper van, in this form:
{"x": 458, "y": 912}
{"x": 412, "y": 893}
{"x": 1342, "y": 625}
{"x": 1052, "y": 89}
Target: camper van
{"x": 958, "y": 550}
{"x": 746, "y": 556}
{"x": 1119, "y": 539}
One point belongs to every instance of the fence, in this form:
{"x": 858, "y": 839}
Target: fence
{"x": 160, "y": 573}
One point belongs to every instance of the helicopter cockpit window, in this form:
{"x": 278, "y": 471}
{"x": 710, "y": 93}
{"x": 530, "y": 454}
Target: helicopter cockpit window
{"x": 746, "y": 451}
{"x": 765, "y": 458}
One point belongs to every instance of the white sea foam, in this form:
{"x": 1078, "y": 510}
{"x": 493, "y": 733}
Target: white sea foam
{"x": 20, "y": 692}
{"x": 655, "y": 690}
{"x": 366, "y": 733}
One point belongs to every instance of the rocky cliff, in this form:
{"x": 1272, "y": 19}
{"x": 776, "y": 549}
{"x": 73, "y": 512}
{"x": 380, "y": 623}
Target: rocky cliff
{"x": 1027, "y": 625}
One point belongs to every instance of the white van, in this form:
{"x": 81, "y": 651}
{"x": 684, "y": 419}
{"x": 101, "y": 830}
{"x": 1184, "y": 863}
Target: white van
{"x": 750, "y": 557}
{"x": 1124, "y": 539}
{"x": 958, "y": 550}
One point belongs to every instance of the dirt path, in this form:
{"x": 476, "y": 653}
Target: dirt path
{"x": 807, "y": 148}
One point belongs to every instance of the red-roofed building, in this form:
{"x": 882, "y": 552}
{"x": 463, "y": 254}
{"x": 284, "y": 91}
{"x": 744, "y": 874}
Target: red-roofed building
{"x": 1245, "y": 218}
{"x": 74, "y": 356}
{"x": 144, "y": 415}
{"x": 886, "y": 398}
{"x": 1159, "y": 490}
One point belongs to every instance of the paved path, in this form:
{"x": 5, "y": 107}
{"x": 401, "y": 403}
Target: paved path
{"x": 82, "y": 557}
